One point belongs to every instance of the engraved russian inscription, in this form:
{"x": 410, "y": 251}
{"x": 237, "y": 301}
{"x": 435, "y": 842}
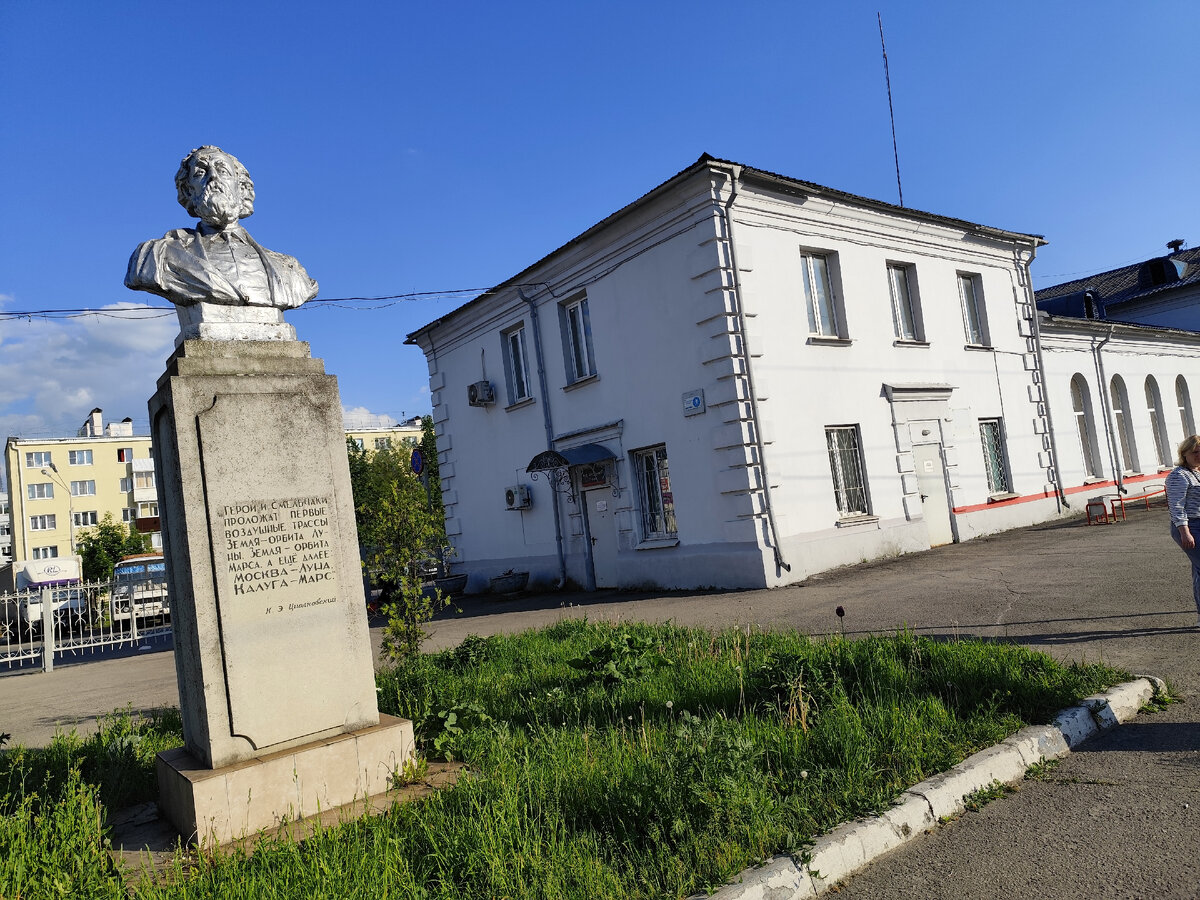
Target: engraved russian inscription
{"x": 282, "y": 544}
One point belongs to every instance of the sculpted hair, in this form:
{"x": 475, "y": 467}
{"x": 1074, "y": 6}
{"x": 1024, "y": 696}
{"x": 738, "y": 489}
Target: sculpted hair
{"x": 1189, "y": 444}
{"x": 203, "y": 153}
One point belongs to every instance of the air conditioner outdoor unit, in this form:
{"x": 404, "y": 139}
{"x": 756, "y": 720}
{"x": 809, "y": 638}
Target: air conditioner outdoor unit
{"x": 517, "y": 497}
{"x": 481, "y": 393}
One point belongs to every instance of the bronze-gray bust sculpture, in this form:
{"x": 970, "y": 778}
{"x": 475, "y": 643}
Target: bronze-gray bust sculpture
{"x": 224, "y": 284}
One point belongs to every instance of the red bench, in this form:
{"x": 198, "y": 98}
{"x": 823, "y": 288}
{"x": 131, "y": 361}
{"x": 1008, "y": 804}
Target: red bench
{"x": 1119, "y": 501}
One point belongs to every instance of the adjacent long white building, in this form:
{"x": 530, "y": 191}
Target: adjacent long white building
{"x": 740, "y": 379}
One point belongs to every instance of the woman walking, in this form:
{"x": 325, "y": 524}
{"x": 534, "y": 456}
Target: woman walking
{"x": 1183, "y": 503}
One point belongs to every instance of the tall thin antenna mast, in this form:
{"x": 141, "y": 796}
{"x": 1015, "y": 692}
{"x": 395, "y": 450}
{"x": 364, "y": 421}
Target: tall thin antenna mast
{"x": 891, "y": 112}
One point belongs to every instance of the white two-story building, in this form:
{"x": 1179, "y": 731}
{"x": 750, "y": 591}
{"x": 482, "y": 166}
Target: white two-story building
{"x": 737, "y": 380}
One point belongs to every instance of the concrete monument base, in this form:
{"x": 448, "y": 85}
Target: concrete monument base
{"x": 271, "y": 643}
{"x": 216, "y": 806}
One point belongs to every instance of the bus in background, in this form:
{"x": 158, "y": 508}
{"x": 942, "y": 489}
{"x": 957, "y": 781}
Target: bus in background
{"x": 140, "y": 588}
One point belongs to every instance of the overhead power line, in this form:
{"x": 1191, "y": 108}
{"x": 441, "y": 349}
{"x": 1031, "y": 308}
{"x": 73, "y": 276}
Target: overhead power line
{"x": 148, "y": 311}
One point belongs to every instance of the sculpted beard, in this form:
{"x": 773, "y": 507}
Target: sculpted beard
{"x": 218, "y": 205}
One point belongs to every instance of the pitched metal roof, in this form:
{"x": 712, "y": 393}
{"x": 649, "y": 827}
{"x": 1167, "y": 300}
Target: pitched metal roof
{"x": 1124, "y": 285}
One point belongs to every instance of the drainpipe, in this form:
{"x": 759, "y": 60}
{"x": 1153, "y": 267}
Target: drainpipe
{"x": 541, "y": 370}
{"x": 1041, "y": 363}
{"x": 727, "y": 215}
{"x": 1106, "y": 399}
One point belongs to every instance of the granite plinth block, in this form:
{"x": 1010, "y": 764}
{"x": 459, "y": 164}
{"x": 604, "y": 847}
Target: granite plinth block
{"x": 272, "y": 650}
{"x": 215, "y": 806}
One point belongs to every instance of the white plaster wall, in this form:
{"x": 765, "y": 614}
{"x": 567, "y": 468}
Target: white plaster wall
{"x": 1134, "y": 354}
{"x": 814, "y": 385}
{"x": 651, "y": 312}
{"x": 659, "y": 283}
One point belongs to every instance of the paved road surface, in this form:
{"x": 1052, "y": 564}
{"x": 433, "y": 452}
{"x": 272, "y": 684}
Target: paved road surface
{"x": 1120, "y": 818}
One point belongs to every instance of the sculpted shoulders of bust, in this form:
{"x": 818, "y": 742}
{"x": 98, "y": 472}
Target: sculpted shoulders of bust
{"x": 179, "y": 267}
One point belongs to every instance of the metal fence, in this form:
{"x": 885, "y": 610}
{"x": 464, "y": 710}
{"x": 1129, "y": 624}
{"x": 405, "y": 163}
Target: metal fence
{"x": 80, "y": 620}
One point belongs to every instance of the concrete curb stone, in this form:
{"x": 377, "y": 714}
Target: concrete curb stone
{"x": 852, "y": 845}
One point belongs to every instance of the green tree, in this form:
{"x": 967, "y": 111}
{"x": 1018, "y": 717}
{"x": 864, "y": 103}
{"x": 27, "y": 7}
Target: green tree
{"x": 429, "y": 453}
{"x": 400, "y": 531}
{"x": 103, "y": 546}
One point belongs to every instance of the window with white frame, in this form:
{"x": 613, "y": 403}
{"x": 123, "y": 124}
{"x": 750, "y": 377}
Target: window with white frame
{"x": 1183, "y": 400}
{"x": 45, "y": 552}
{"x": 83, "y": 488}
{"x": 3, "y": 507}
{"x": 516, "y": 370}
{"x": 970, "y": 294}
{"x": 654, "y": 493}
{"x": 5, "y": 529}
{"x": 991, "y": 435}
{"x": 1158, "y": 426}
{"x": 86, "y": 519}
{"x": 818, "y": 295}
{"x": 39, "y": 459}
{"x": 1120, "y": 409}
{"x": 382, "y": 443}
{"x": 128, "y": 514}
{"x": 846, "y": 467}
{"x": 577, "y": 339}
{"x": 40, "y": 491}
{"x": 43, "y": 523}
{"x": 79, "y": 457}
{"x": 359, "y": 443}
{"x": 143, "y": 480}
{"x": 148, "y": 509}
{"x": 126, "y": 484}
{"x": 125, "y": 454}
{"x": 1085, "y": 427}
{"x": 906, "y": 318}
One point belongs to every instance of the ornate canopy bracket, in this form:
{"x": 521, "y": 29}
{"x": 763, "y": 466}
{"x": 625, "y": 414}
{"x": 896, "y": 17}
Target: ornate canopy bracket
{"x": 556, "y": 467}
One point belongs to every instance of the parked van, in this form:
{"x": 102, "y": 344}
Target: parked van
{"x": 139, "y": 588}
{"x": 29, "y": 578}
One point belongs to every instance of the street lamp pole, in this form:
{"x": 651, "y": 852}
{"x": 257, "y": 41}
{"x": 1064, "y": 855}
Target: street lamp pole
{"x": 52, "y": 472}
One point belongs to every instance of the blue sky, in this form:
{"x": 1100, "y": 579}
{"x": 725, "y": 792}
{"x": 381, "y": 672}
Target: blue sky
{"x": 401, "y": 147}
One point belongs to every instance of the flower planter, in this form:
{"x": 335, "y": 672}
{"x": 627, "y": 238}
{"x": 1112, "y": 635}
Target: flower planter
{"x": 509, "y": 584}
{"x": 451, "y": 585}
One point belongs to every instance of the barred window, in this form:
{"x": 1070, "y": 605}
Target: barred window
{"x": 992, "y": 436}
{"x": 846, "y": 467}
{"x": 654, "y": 488}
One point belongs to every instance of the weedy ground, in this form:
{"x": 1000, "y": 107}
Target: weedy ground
{"x": 605, "y": 761}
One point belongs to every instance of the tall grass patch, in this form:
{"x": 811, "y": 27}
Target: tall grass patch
{"x": 643, "y": 761}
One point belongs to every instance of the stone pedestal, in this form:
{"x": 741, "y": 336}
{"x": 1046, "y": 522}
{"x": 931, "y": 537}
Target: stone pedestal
{"x": 221, "y": 805}
{"x": 272, "y": 651}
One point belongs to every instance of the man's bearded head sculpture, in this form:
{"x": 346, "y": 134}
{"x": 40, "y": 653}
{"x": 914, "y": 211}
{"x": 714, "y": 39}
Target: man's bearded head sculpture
{"x": 214, "y": 187}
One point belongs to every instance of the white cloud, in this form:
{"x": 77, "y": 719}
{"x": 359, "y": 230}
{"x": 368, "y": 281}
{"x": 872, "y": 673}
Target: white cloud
{"x": 360, "y": 417}
{"x": 54, "y": 372}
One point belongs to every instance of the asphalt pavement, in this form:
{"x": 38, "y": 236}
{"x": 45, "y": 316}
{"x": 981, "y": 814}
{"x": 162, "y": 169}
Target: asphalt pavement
{"x": 1119, "y": 817}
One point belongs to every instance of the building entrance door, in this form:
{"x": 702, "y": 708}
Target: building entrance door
{"x": 598, "y": 508}
{"x": 935, "y": 499}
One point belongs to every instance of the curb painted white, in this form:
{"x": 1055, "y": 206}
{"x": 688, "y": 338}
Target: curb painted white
{"x": 851, "y": 846}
